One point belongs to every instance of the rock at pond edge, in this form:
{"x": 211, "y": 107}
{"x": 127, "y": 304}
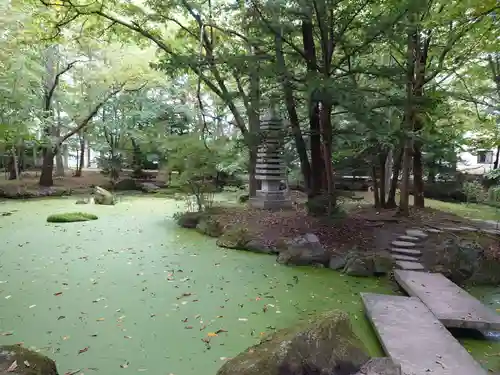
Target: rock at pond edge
{"x": 38, "y": 364}
{"x": 209, "y": 226}
{"x": 188, "y": 219}
{"x": 304, "y": 250}
{"x": 327, "y": 344}
{"x": 103, "y": 197}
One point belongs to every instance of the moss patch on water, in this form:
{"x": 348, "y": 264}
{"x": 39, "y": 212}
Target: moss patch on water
{"x": 71, "y": 217}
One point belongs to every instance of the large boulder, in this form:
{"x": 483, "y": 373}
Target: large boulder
{"x": 304, "y": 250}
{"x": 357, "y": 263}
{"x": 326, "y": 345}
{"x": 102, "y": 196}
{"x": 15, "y": 359}
{"x": 466, "y": 261}
{"x": 241, "y": 238}
{"x": 380, "y": 366}
{"x": 148, "y": 187}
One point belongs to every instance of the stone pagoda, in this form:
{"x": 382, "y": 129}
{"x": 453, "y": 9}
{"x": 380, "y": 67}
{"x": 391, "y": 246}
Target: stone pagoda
{"x": 271, "y": 169}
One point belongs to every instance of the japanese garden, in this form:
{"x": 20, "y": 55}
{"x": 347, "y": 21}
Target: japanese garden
{"x": 250, "y": 187}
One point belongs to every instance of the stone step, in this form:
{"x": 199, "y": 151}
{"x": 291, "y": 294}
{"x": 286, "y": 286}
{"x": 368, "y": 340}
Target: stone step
{"x": 410, "y": 266}
{"x": 412, "y": 336}
{"x": 409, "y": 238}
{"x": 405, "y": 258}
{"x": 452, "y": 305}
{"x": 433, "y": 230}
{"x": 417, "y": 233}
{"x": 403, "y": 244}
{"x": 410, "y": 252}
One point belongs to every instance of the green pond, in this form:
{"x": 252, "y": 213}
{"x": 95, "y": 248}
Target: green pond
{"x": 133, "y": 292}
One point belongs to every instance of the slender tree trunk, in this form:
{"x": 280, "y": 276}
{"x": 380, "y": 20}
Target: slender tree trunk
{"x": 376, "y": 187}
{"x": 89, "y": 164}
{"x": 418, "y": 178}
{"x": 81, "y": 159}
{"x": 254, "y": 119}
{"x": 326, "y": 132}
{"x": 382, "y": 162}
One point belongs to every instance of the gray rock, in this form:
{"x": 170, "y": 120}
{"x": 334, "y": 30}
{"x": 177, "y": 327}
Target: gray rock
{"x": 104, "y": 197}
{"x": 360, "y": 266}
{"x": 82, "y": 201}
{"x": 15, "y": 359}
{"x": 406, "y": 258}
{"x": 304, "y": 250}
{"x": 403, "y": 244}
{"x": 148, "y": 187}
{"x": 380, "y": 366}
{"x": 338, "y": 261}
{"x": 325, "y": 345}
{"x": 259, "y": 246}
{"x": 410, "y": 252}
{"x": 383, "y": 263}
{"x": 417, "y": 233}
{"x": 410, "y": 266}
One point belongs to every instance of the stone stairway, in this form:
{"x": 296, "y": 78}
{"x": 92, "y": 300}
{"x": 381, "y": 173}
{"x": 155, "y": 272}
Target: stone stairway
{"x": 405, "y": 250}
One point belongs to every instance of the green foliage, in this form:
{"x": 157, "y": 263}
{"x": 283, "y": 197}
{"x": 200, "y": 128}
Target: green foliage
{"x": 71, "y": 217}
{"x": 474, "y": 192}
{"x": 494, "y": 196}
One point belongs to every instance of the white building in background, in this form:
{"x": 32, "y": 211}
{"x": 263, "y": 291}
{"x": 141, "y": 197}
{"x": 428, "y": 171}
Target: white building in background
{"x": 476, "y": 162}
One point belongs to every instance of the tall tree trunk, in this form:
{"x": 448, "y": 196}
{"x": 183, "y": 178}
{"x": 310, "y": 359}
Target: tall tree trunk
{"x": 317, "y": 165}
{"x": 13, "y": 165}
{"x": 253, "y": 123}
{"x": 496, "y": 164}
{"x": 59, "y": 164}
{"x": 46, "y": 178}
{"x": 376, "y": 186}
{"x": 404, "y": 199}
{"x": 326, "y": 133}
{"x": 382, "y": 163}
{"x": 418, "y": 178}
{"x": 300, "y": 144}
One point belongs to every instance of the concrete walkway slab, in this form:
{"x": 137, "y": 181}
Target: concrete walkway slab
{"x": 412, "y": 336}
{"x": 410, "y": 252}
{"x": 405, "y": 265}
{"x": 406, "y": 258}
{"x": 452, "y": 305}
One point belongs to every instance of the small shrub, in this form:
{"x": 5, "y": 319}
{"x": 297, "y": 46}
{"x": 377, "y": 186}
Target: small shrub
{"x": 494, "y": 196}
{"x": 187, "y": 219}
{"x": 474, "y": 192}
{"x": 70, "y": 217}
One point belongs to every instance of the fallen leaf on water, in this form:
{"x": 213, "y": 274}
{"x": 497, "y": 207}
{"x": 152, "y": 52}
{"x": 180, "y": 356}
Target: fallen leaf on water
{"x": 58, "y": 293}
{"x": 12, "y": 367}
{"x": 6, "y": 333}
{"x": 211, "y": 334}
{"x": 127, "y": 337}
{"x": 72, "y": 372}
{"x": 100, "y": 320}
{"x": 32, "y": 306}
{"x": 242, "y": 319}
{"x": 65, "y": 338}
{"x": 125, "y": 365}
{"x": 184, "y": 295}
{"x": 27, "y": 364}
{"x": 61, "y": 317}
{"x": 188, "y": 327}
{"x": 206, "y": 340}
{"x": 7, "y": 297}
{"x": 203, "y": 327}
{"x": 220, "y": 331}
{"x": 83, "y": 350}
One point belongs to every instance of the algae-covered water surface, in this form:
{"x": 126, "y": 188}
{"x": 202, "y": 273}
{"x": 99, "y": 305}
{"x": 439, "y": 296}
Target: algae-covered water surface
{"x": 133, "y": 292}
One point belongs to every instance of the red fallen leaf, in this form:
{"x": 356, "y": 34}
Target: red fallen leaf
{"x": 58, "y": 293}
{"x": 83, "y": 350}
{"x": 220, "y": 331}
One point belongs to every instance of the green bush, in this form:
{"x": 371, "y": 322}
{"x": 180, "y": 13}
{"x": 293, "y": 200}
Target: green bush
{"x": 474, "y": 192}
{"x": 494, "y": 196}
{"x": 70, "y": 217}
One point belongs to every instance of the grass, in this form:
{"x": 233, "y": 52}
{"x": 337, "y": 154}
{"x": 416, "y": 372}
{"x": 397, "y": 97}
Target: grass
{"x": 71, "y": 217}
{"x": 467, "y": 210}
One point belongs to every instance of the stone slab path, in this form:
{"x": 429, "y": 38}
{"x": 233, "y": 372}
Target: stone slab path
{"x": 406, "y": 265}
{"x": 452, "y": 305}
{"x": 413, "y": 337}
